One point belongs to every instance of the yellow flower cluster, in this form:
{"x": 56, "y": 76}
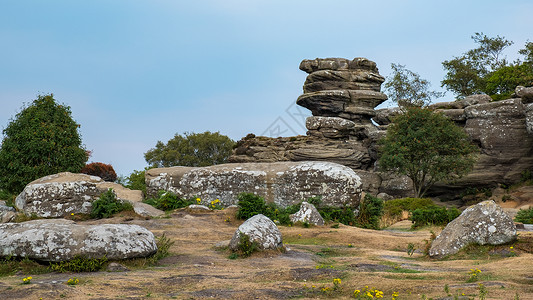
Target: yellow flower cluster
{"x": 337, "y": 281}
{"x": 26, "y": 280}
{"x": 73, "y": 281}
{"x": 198, "y": 201}
{"x": 215, "y": 204}
{"x": 368, "y": 293}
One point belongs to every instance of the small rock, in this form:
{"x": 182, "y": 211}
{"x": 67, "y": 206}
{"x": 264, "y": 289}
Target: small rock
{"x": 116, "y": 267}
{"x": 307, "y": 214}
{"x": 261, "y": 230}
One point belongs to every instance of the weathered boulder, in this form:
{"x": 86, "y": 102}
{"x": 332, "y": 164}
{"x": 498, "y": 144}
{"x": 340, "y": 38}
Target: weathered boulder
{"x": 61, "y": 240}
{"x": 284, "y": 183}
{"x": 529, "y": 117}
{"x": 307, "y": 214}
{"x": 484, "y": 223}
{"x": 261, "y": 230}
{"x": 59, "y": 195}
{"x": 64, "y": 193}
{"x": 526, "y": 93}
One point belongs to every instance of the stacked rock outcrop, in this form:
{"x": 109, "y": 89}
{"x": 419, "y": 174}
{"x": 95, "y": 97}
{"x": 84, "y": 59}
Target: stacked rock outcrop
{"x": 342, "y": 95}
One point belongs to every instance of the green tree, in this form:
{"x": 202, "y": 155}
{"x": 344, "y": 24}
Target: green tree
{"x": 193, "y": 149}
{"x": 42, "y": 139}
{"x": 427, "y": 147}
{"x": 467, "y": 74}
{"x": 406, "y": 88}
{"x": 502, "y": 83}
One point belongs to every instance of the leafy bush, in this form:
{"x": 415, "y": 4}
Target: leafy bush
{"x": 396, "y": 206}
{"x": 344, "y": 215}
{"x": 245, "y": 246}
{"x": 108, "y": 205}
{"x": 370, "y": 212}
{"x": 104, "y": 171}
{"x": 42, "y": 139}
{"x": 168, "y": 201}
{"x": 8, "y": 197}
{"x": 79, "y": 264}
{"x": 433, "y": 216}
{"x": 136, "y": 181}
{"x": 524, "y": 216}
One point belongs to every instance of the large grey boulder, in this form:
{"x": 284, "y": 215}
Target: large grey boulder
{"x": 526, "y": 93}
{"x": 484, "y": 224}
{"x": 284, "y": 183}
{"x": 61, "y": 240}
{"x": 64, "y": 193}
{"x": 261, "y": 230}
{"x": 307, "y": 214}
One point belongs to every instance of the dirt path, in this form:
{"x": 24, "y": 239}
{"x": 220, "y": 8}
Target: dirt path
{"x": 314, "y": 257}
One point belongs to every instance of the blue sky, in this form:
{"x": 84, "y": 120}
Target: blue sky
{"x": 135, "y": 72}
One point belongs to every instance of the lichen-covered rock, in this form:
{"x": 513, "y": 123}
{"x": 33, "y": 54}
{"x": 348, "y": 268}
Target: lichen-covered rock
{"x": 64, "y": 193}
{"x": 61, "y": 240}
{"x": 284, "y": 183}
{"x": 59, "y": 195}
{"x": 526, "y": 93}
{"x": 261, "y": 230}
{"x": 484, "y": 223}
{"x": 307, "y": 214}
{"x": 7, "y": 213}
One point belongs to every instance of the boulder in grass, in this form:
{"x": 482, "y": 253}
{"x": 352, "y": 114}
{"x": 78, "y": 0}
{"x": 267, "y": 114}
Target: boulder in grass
{"x": 62, "y": 240}
{"x": 307, "y": 214}
{"x": 484, "y": 223}
{"x": 260, "y": 230}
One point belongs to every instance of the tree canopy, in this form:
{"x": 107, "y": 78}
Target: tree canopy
{"x": 192, "y": 149}
{"x": 427, "y": 147}
{"x": 42, "y": 139}
{"x": 406, "y": 88}
{"x": 485, "y": 69}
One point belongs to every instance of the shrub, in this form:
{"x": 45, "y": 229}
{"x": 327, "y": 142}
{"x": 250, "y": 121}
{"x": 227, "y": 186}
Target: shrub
{"x": 250, "y": 205}
{"x": 396, "y": 206}
{"x": 524, "y": 216}
{"x": 344, "y": 215}
{"x": 79, "y": 264}
{"x": 42, "y": 139}
{"x": 433, "y": 216}
{"x": 245, "y": 246}
{"x": 104, "y": 171}
{"x": 370, "y": 212}
{"x": 136, "y": 181}
{"x": 107, "y": 205}
{"x": 168, "y": 201}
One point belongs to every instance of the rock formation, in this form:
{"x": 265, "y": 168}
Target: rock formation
{"x": 342, "y": 95}
{"x": 61, "y": 240}
{"x": 484, "y": 224}
{"x": 64, "y": 193}
{"x": 260, "y": 230}
{"x": 284, "y": 183}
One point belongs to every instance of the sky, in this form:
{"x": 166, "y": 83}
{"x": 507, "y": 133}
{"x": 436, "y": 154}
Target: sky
{"x": 135, "y": 72}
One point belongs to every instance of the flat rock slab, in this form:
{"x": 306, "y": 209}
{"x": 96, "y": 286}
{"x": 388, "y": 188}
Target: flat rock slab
{"x": 285, "y": 183}
{"x": 62, "y": 240}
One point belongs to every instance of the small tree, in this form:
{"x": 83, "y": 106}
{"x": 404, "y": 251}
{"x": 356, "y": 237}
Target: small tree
{"x": 42, "y": 139}
{"x": 406, "y": 88}
{"x": 193, "y": 149}
{"x": 427, "y": 147}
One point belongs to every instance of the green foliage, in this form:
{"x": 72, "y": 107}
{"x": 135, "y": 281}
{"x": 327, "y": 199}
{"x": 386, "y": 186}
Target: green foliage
{"x": 104, "y": 171}
{"x": 407, "y": 88}
{"x": 395, "y": 207}
{"x": 168, "y": 201}
{"x": 485, "y": 69}
{"x": 370, "y": 212}
{"x": 193, "y": 149}
{"x": 501, "y": 83}
{"x": 12, "y": 265}
{"x": 433, "y": 216}
{"x": 250, "y": 205}
{"x": 427, "y": 147}
{"x": 79, "y": 264}
{"x": 163, "y": 245}
{"x": 136, "y": 181}
{"x": 524, "y": 216}
{"x": 42, "y": 139}
{"x": 8, "y": 197}
{"x": 246, "y": 246}
{"x": 107, "y": 205}
{"x": 525, "y": 176}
